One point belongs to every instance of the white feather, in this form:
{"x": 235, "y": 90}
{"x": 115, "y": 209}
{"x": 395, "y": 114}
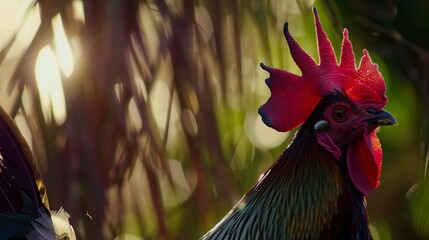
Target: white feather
{"x": 62, "y": 227}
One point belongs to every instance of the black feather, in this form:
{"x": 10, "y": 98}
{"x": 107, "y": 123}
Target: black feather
{"x": 16, "y": 170}
{"x": 21, "y": 204}
{"x": 305, "y": 194}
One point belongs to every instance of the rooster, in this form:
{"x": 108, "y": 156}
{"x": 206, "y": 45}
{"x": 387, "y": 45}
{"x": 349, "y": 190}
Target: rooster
{"x": 24, "y": 208}
{"x": 317, "y": 188}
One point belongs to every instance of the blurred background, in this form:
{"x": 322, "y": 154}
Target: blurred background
{"x": 142, "y": 115}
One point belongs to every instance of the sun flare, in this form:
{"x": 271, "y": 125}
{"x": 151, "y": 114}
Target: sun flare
{"x": 54, "y": 63}
{"x": 48, "y": 79}
{"x": 62, "y": 47}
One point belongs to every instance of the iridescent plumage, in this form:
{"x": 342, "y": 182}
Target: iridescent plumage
{"x": 305, "y": 194}
{"x": 317, "y": 187}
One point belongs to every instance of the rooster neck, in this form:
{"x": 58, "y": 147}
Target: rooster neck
{"x": 305, "y": 194}
{"x": 311, "y": 192}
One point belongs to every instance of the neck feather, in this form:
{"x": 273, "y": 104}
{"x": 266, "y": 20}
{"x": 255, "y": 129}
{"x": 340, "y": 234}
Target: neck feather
{"x": 306, "y": 193}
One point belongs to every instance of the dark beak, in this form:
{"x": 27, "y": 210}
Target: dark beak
{"x": 381, "y": 118}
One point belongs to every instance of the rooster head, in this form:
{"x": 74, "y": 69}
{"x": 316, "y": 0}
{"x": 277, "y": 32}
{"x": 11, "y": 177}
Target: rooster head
{"x": 345, "y": 127}
{"x": 348, "y": 124}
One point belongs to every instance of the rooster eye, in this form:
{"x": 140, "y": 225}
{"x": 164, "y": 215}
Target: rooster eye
{"x": 339, "y": 114}
{"x": 372, "y": 111}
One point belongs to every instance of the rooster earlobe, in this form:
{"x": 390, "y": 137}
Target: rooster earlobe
{"x": 321, "y": 125}
{"x": 364, "y": 158}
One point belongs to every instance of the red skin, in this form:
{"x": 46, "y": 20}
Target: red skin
{"x": 364, "y": 153}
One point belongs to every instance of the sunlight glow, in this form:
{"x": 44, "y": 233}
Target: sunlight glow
{"x": 48, "y": 79}
{"x": 181, "y": 191}
{"x": 159, "y": 101}
{"x": 135, "y": 120}
{"x": 16, "y": 12}
{"x": 260, "y": 135}
{"x": 62, "y": 46}
{"x": 78, "y": 10}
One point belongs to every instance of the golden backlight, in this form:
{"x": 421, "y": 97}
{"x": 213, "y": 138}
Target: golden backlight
{"x": 62, "y": 47}
{"x": 49, "y": 66}
{"x": 48, "y": 79}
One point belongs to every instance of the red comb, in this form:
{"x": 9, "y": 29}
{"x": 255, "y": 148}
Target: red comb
{"x": 294, "y": 97}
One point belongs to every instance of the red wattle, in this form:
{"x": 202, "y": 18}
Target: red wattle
{"x": 364, "y": 159}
